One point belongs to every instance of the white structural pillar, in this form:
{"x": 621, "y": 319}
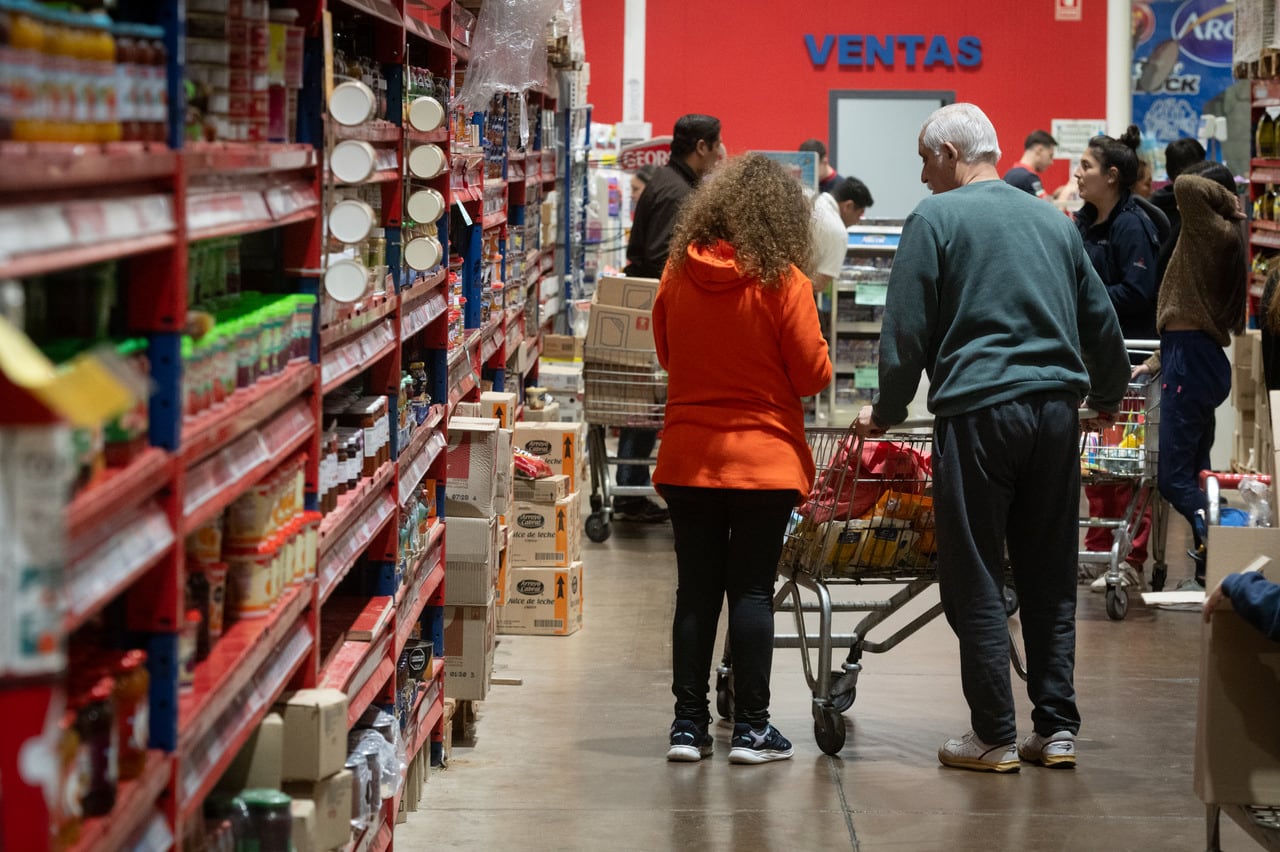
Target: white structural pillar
{"x": 633, "y": 47}
{"x": 1119, "y": 65}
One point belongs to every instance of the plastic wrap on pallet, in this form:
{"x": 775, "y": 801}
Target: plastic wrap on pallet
{"x": 510, "y": 50}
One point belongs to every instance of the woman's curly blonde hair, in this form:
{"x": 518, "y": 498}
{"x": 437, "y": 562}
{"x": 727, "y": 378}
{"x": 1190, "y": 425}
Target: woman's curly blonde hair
{"x": 757, "y": 207}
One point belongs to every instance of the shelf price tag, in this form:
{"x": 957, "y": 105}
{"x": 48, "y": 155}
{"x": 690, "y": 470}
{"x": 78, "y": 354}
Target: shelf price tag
{"x": 869, "y": 293}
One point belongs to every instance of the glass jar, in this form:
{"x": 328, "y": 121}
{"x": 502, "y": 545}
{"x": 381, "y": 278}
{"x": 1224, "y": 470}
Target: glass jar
{"x": 67, "y": 809}
{"x": 133, "y": 713}
{"x": 271, "y": 820}
{"x": 96, "y": 726}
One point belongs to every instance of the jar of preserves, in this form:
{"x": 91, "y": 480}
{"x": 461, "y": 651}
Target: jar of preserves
{"x": 271, "y": 823}
{"x": 65, "y": 819}
{"x": 98, "y": 757}
{"x": 133, "y": 713}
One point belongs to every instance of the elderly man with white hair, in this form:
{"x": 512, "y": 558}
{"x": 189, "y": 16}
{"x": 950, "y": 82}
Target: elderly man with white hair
{"x": 992, "y": 295}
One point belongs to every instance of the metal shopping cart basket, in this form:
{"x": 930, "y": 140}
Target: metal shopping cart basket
{"x": 1127, "y": 455}
{"x": 625, "y": 388}
{"x": 868, "y": 521}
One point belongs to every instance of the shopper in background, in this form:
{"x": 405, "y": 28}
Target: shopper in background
{"x": 1255, "y": 598}
{"x": 638, "y": 181}
{"x": 1178, "y": 155}
{"x": 1037, "y": 155}
{"x": 834, "y": 213}
{"x": 1202, "y": 303}
{"x": 1012, "y": 339}
{"x": 1142, "y": 186}
{"x": 1121, "y": 241}
{"x": 696, "y": 148}
{"x": 736, "y": 328}
{"x": 827, "y": 175}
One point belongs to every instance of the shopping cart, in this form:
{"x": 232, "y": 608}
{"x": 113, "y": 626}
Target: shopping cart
{"x": 625, "y": 388}
{"x": 1127, "y": 454}
{"x": 868, "y": 521}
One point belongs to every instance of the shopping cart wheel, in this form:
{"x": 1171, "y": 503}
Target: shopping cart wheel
{"x": 598, "y": 529}
{"x": 1117, "y": 603}
{"x": 828, "y": 729}
{"x": 1010, "y": 601}
{"x": 724, "y": 695}
{"x": 1159, "y": 574}
{"x": 842, "y": 701}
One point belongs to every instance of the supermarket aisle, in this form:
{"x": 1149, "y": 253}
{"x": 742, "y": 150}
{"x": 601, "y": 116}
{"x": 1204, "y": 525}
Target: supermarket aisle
{"x": 573, "y": 759}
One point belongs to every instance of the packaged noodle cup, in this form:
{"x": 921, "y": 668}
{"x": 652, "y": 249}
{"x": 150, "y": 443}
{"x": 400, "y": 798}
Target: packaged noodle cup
{"x": 250, "y": 582}
{"x": 250, "y": 519}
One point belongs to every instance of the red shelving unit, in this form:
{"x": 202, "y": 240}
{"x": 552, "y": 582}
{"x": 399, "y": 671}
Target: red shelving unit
{"x": 135, "y": 805}
{"x": 246, "y": 409}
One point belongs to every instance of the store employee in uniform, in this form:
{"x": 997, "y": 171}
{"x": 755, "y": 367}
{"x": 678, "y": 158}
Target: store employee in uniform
{"x": 696, "y": 148}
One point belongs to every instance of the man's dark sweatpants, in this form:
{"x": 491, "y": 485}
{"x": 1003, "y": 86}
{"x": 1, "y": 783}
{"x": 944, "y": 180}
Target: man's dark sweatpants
{"x": 1011, "y": 472}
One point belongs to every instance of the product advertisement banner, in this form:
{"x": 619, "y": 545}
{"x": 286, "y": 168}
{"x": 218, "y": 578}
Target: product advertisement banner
{"x": 1181, "y": 62}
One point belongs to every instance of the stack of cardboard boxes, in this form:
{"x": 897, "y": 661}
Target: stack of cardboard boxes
{"x": 477, "y": 503}
{"x": 543, "y": 594}
{"x": 625, "y": 386}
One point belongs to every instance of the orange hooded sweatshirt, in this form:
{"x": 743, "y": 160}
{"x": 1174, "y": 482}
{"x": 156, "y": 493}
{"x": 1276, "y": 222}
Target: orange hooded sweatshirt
{"x": 739, "y": 357}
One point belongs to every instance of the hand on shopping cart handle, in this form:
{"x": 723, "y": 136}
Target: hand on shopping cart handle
{"x": 1096, "y": 421}
{"x": 865, "y": 425}
{"x": 1139, "y": 370}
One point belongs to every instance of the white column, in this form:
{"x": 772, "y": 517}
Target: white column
{"x": 633, "y": 46}
{"x": 1119, "y": 65}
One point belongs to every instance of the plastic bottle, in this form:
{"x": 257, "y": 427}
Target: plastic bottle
{"x": 157, "y": 76}
{"x": 133, "y": 713}
{"x": 100, "y": 61}
{"x": 96, "y": 725}
{"x": 30, "y": 85}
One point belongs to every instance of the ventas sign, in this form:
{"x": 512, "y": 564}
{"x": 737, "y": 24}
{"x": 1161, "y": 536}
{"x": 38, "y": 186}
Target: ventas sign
{"x": 860, "y": 50}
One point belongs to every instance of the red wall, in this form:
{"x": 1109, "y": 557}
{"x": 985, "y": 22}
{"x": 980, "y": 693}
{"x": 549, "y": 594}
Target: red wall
{"x": 745, "y": 61}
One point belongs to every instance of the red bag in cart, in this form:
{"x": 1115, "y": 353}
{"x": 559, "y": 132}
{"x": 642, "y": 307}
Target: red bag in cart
{"x": 881, "y": 466}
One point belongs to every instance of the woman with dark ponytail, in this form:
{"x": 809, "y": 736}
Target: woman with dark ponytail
{"x": 1122, "y": 243}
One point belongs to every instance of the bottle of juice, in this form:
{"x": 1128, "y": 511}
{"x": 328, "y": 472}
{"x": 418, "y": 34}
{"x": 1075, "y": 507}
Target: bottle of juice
{"x": 132, "y": 712}
{"x": 68, "y": 107}
{"x": 127, "y": 72}
{"x": 30, "y": 83}
{"x": 101, "y": 60}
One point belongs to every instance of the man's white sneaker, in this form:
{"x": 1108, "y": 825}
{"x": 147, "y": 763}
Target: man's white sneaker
{"x": 1055, "y": 750}
{"x": 970, "y": 752}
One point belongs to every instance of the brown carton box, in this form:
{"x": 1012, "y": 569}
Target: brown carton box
{"x": 635, "y": 293}
{"x": 304, "y": 825}
{"x": 332, "y": 798}
{"x": 260, "y": 761}
{"x": 471, "y": 548}
{"x": 561, "y": 445}
{"x": 468, "y": 651}
{"x": 315, "y": 733}
{"x": 473, "y": 463}
{"x": 543, "y": 602}
{"x": 618, "y": 335}
{"x": 548, "y": 534}
{"x": 549, "y": 489}
{"x": 1237, "y": 757}
{"x": 561, "y": 347}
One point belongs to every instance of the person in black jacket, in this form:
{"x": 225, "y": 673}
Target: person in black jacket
{"x": 1121, "y": 242}
{"x": 696, "y": 149}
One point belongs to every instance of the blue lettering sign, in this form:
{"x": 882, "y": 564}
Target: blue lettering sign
{"x": 939, "y": 53}
{"x": 856, "y": 50}
{"x": 850, "y": 50}
{"x": 879, "y": 49}
{"x": 969, "y": 52}
{"x": 818, "y": 55}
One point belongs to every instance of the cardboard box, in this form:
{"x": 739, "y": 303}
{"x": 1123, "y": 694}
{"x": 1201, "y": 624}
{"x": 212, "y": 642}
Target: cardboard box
{"x": 304, "y": 825}
{"x": 260, "y": 761}
{"x": 472, "y": 464}
{"x": 1237, "y": 757}
{"x": 549, "y": 489}
{"x": 543, "y": 602}
{"x": 635, "y": 293}
{"x": 618, "y": 335}
{"x": 549, "y": 413}
{"x": 1231, "y": 549}
{"x": 561, "y": 378}
{"x": 471, "y": 566}
{"x": 504, "y": 562}
{"x": 547, "y": 534}
{"x": 315, "y": 733}
{"x": 468, "y": 650}
{"x": 500, "y": 406}
{"x": 561, "y": 347}
{"x": 561, "y": 445}
{"x": 332, "y": 799}
{"x": 466, "y": 409}
{"x": 505, "y": 475}
{"x": 572, "y": 408}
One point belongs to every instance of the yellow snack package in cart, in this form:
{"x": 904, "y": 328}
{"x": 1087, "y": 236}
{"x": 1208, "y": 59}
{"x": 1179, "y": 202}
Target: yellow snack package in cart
{"x": 916, "y": 510}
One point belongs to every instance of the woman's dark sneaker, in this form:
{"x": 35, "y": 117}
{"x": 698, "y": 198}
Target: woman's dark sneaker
{"x": 750, "y": 745}
{"x": 690, "y": 741}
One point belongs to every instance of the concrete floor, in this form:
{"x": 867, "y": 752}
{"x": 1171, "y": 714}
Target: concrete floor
{"x": 574, "y": 758}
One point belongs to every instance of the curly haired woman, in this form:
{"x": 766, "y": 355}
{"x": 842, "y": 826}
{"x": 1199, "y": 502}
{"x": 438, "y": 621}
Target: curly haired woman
{"x": 736, "y": 328}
